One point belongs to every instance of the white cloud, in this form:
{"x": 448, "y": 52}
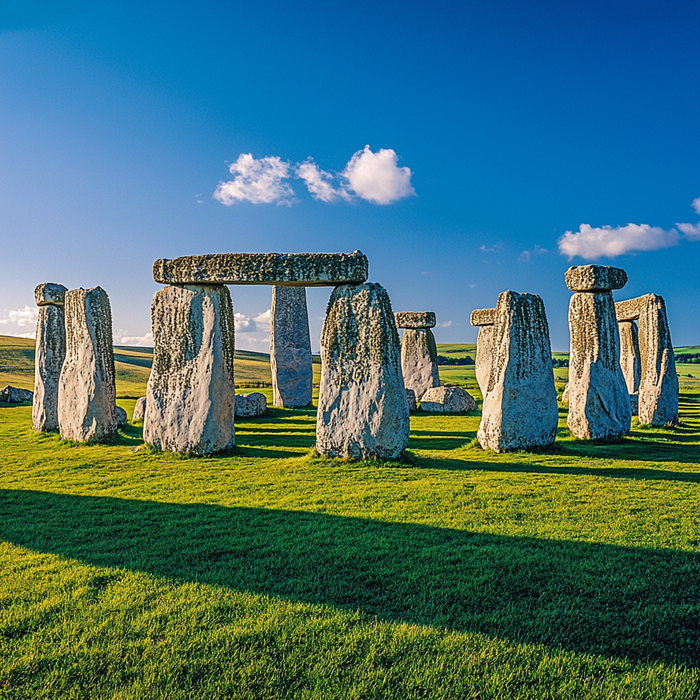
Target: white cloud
{"x": 376, "y": 177}
{"x": 263, "y": 320}
{"x": 145, "y": 341}
{"x": 444, "y": 324}
{"x": 320, "y": 182}
{"x": 260, "y": 181}
{"x": 691, "y": 231}
{"x": 20, "y": 323}
{"x": 244, "y": 324}
{"x": 696, "y": 205}
{"x": 526, "y": 255}
{"x": 593, "y": 243}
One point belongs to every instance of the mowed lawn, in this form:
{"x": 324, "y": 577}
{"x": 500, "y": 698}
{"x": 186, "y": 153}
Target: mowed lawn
{"x": 272, "y": 573}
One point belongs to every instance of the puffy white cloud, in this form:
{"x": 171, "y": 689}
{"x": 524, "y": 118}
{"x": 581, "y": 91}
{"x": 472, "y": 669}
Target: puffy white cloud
{"x": 376, "y": 177}
{"x": 593, "y": 243}
{"x": 20, "y": 323}
{"x": 320, "y": 182}
{"x": 260, "y": 181}
{"x": 696, "y": 205}
{"x": 244, "y": 324}
{"x": 691, "y": 231}
{"x": 263, "y": 320}
{"x": 145, "y": 341}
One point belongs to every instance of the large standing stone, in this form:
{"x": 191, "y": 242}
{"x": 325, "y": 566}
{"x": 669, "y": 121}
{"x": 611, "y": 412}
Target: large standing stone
{"x": 49, "y": 355}
{"x": 484, "y": 319}
{"x": 419, "y": 360}
{"x": 290, "y": 348}
{"x": 658, "y": 387}
{"x": 362, "y": 406}
{"x": 599, "y": 403}
{"x": 86, "y": 388}
{"x": 190, "y": 399}
{"x": 630, "y": 360}
{"x": 520, "y": 403}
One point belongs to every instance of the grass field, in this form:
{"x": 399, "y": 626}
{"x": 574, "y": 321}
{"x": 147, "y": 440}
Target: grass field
{"x": 271, "y": 573}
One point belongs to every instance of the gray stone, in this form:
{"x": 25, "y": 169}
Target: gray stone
{"x": 190, "y": 399}
{"x": 362, "y": 406}
{"x": 634, "y": 404}
{"x": 484, "y": 357}
{"x": 599, "y": 404}
{"x": 50, "y": 293}
{"x": 293, "y": 269}
{"x": 595, "y": 278}
{"x": 11, "y": 394}
{"x": 482, "y": 317}
{"x": 447, "y": 399}
{"x": 520, "y": 404}
{"x": 630, "y": 358}
{"x": 251, "y": 405}
{"x": 49, "y": 356}
{"x": 411, "y": 398}
{"x": 565, "y": 394}
{"x": 290, "y": 348}
{"x": 139, "y": 410}
{"x": 122, "y": 418}
{"x": 86, "y": 387}
{"x": 419, "y": 361}
{"x": 415, "y": 319}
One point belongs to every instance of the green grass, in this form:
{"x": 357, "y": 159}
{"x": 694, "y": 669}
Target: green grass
{"x": 272, "y": 573}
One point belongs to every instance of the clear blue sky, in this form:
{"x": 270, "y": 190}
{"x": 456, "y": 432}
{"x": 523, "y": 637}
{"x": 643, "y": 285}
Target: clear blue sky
{"x": 518, "y": 122}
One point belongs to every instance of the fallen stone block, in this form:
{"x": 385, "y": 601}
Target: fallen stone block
{"x": 139, "y": 410}
{"x": 251, "y": 405}
{"x": 11, "y": 394}
{"x": 447, "y": 399}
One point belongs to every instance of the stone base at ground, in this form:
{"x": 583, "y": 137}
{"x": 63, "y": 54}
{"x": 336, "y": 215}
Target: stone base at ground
{"x": 447, "y": 399}
{"x": 251, "y": 405}
{"x": 11, "y": 394}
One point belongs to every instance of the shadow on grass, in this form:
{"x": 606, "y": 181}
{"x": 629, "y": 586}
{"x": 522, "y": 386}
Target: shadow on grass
{"x": 616, "y": 601}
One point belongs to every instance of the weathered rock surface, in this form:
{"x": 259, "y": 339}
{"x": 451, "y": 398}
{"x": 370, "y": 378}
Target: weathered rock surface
{"x": 190, "y": 400}
{"x": 362, "y": 406}
{"x": 139, "y": 410}
{"x": 50, "y": 353}
{"x": 630, "y": 358}
{"x": 599, "y": 404}
{"x": 634, "y": 404}
{"x": 86, "y": 387}
{"x": 595, "y": 278}
{"x": 11, "y": 394}
{"x": 50, "y": 293}
{"x": 484, "y": 357}
{"x": 482, "y": 317}
{"x": 415, "y": 319}
{"x": 565, "y": 394}
{"x": 447, "y": 399}
{"x": 122, "y": 418}
{"x": 290, "y": 348}
{"x": 520, "y": 403}
{"x": 411, "y": 398}
{"x": 419, "y": 360}
{"x": 250, "y": 405}
{"x": 295, "y": 269}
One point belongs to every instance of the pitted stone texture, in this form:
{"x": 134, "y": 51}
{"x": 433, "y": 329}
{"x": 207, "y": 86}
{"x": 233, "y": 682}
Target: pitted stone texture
{"x": 595, "y": 278}
{"x": 411, "y": 398}
{"x": 49, "y": 356}
{"x": 630, "y": 309}
{"x": 630, "y": 357}
{"x": 289, "y": 269}
{"x": 139, "y": 410}
{"x": 290, "y": 348}
{"x": 483, "y": 317}
{"x": 50, "y": 293}
{"x": 122, "y": 418}
{"x": 362, "y": 406}
{"x": 415, "y": 319}
{"x": 520, "y": 404}
{"x": 447, "y": 399}
{"x": 190, "y": 398}
{"x": 419, "y": 361}
{"x": 658, "y": 388}
{"x": 599, "y": 404}
{"x": 251, "y": 405}
{"x": 86, "y": 388}
{"x": 11, "y": 394}
{"x": 484, "y": 357}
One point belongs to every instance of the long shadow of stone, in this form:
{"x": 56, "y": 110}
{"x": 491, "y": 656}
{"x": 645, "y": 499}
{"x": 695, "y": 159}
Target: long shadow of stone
{"x": 641, "y": 604}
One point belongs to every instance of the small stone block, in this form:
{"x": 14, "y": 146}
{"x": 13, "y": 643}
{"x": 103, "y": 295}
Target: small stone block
{"x": 250, "y": 405}
{"x": 447, "y": 399}
{"x": 483, "y": 317}
{"x": 286, "y": 269}
{"x": 139, "y": 410}
{"x": 50, "y": 293}
{"x": 630, "y": 309}
{"x": 595, "y": 278}
{"x": 415, "y": 319}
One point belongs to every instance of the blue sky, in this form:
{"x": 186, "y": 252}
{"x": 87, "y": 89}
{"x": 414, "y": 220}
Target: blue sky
{"x": 517, "y": 122}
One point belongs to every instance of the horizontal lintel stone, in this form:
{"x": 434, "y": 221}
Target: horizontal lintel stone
{"x": 630, "y": 309}
{"x": 483, "y": 317}
{"x": 595, "y": 278}
{"x": 415, "y": 319}
{"x": 50, "y": 293}
{"x": 285, "y": 269}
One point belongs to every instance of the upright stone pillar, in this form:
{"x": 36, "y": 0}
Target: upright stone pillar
{"x": 630, "y": 360}
{"x": 484, "y": 319}
{"x": 362, "y": 406}
{"x": 87, "y": 408}
{"x": 658, "y": 387}
{"x": 49, "y": 356}
{"x": 520, "y": 403}
{"x": 599, "y": 404}
{"x": 190, "y": 399}
{"x": 290, "y": 348}
{"x": 418, "y": 351}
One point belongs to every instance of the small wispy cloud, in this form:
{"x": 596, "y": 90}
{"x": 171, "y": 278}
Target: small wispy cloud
{"x": 445, "y": 324}
{"x": 259, "y": 181}
{"x": 526, "y": 255}
{"x": 483, "y": 247}
{"x": 696, "y": 205}
{"x": 593, "y": 243}
{"x": 320, "y": 183}
{"x": 691, "y": 231}
{"x": 136, "y": 340}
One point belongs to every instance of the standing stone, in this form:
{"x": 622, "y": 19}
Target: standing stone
{"x": 362, "y": 406}
{"x": 49, "y": 356}
{"x": 139, "y": 410}
{"x": 630, "y": 360}
{"x": 290, "y": 348}
{"x": 419, "y": 360}
{"x": 658, "y": 387}
{"x": 599, "y": 403}
{"x": 190, "y": 399}
{"x": 520, "y": 403}
{"x": 484, "y": 319}
{"x": 86, "y": 388}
